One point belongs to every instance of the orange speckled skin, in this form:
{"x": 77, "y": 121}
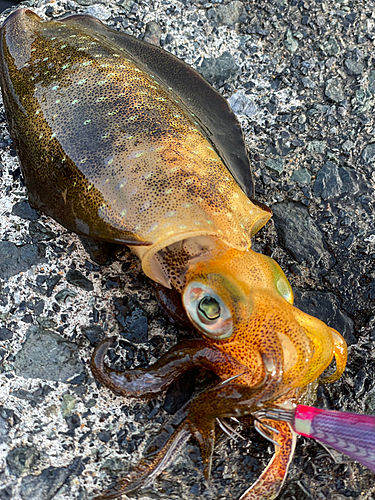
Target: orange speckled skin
{"x": 272, "y": 338}
{"x": 277, "y": 467}
{"x": 76, "y": 108}
{"x": 122, "y": 142}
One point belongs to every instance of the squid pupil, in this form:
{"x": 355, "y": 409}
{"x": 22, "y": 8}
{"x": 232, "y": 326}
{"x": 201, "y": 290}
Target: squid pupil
{"x": 209, "y": 307}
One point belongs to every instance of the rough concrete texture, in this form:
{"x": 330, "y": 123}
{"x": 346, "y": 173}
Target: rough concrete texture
{"x": 300, "y": 75}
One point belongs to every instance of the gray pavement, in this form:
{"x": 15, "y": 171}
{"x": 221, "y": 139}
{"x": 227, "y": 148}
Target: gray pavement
{"x": 301, "y": 77}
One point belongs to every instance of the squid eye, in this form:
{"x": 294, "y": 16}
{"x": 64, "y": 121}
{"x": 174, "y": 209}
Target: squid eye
{"x": 284, "y": 289}
{"x": 208, "y": 311}
{"x": 209, "y": 308}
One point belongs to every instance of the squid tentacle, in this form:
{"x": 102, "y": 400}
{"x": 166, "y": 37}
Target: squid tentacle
{"x": 269, "y": 484}
{"x": 159, "y": 454}
{"x": 340, "y": 352}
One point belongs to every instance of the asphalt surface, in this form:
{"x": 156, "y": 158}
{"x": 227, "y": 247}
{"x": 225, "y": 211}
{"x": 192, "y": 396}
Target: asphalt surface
{"x": 301, "y": 77}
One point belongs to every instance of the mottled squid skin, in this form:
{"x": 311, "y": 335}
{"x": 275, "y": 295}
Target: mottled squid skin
{"x": 120, "y": 141}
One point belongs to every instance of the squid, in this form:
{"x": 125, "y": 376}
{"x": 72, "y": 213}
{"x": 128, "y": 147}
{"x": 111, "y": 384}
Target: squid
{"x": 122, "y": 142}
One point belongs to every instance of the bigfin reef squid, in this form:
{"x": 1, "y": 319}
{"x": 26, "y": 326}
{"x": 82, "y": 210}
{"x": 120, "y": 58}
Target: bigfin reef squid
{"x": 121, "y": 141}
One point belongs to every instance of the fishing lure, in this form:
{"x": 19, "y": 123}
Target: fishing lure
{"x": 348, "y": 433}
{"x": 121, "y": 141}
